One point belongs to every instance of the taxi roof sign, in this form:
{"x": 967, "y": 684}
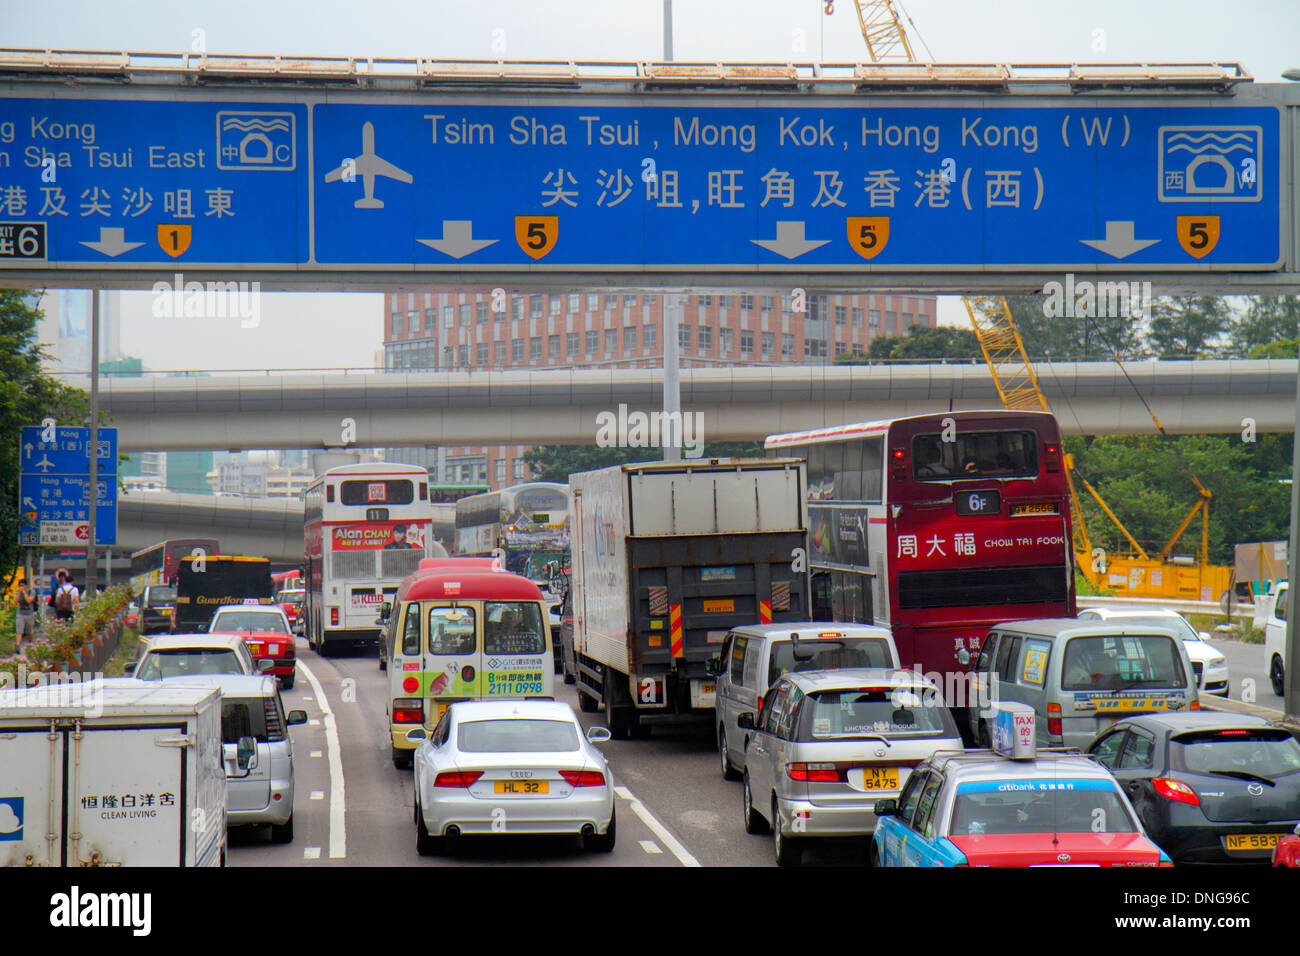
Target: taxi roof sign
{"x": 1013, "y": 730}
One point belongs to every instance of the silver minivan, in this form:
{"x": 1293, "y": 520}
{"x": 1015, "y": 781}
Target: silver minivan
{"x": 1079, "y": 676}
{"x": 826, "y": 745}
{"x": 753, "y": 657}
{"x": 257, "y": 750}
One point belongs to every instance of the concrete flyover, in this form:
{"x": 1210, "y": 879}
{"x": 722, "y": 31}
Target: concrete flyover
{"x": 312, "y": 410}
{"x": 261, "y": 526}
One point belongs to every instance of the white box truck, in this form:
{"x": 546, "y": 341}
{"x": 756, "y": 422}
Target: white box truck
{"x": 667, "y": 558}
{"x": 112, "y": 772}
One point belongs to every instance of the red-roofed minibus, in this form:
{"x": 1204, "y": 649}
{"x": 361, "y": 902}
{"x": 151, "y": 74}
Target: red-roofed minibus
{"x": 462, "y": 633}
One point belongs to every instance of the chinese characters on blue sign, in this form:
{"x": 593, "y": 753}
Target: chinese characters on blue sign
{"x": 54, "y": 484}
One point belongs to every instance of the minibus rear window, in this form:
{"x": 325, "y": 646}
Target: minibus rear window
{"x": 1122, "y": 662}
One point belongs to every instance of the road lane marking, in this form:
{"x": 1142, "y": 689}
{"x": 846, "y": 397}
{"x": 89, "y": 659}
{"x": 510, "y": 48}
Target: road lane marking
{"x": 650, "y": 846}
{"x": 311, "y": 853}
{"x": 658, "y": 829}
{"x": 338, "y": 802}
{"x": 318, "y": 794}
{"x": 315, "y": 753}
{"x": 314, "y": 722}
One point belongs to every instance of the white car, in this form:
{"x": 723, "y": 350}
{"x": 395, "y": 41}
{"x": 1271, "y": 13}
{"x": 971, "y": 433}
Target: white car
{"x": 1211, "y": 667}
{"x": 514, "y": 767}
{"x": 187, "y": 655}
{"x": 1275, "y": 638}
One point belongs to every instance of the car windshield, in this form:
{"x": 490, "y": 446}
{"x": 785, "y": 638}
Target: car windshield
{"x": 823, "y": 654}
{"x": 248, "y": 621}
{"x": 516, "y": 735}
{"x": 1177, "y": 624}
{"x": 291, "y": 597}
{"x": 1265, "y": 752}
{"x": 1113, "y": 662}
{"x": 184, "y": 662}
{"x": 161, "y": 594}
{"x": 886, "y": 712}
{"x": 513, "y": 627}
{"x": 996, "y": 807}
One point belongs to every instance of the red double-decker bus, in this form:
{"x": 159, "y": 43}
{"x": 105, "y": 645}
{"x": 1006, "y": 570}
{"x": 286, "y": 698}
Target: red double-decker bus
{"x": 938, "y": 526}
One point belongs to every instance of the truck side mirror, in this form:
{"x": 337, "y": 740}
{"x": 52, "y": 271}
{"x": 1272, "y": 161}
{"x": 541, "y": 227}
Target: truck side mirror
{"x": 886, "y": 808}
{"x": 297, "y": 717}
{"x": 712, "y": 667}
{"x": 745, "y": 721}
{"x": 385, "y": 610}
{"x": 265, "y": 666}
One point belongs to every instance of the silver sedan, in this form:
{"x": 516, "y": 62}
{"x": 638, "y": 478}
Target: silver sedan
{"x": 514, "y": 767}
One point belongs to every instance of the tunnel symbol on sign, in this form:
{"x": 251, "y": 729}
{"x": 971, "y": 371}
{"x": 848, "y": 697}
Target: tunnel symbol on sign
{"x": 255, "y": 140}
{"x": 1200, "y": 162}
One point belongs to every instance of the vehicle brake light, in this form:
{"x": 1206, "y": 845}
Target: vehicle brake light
{"x": 830, "y": 634}
{"x": 815, "y": 772}
{"x": 1052, "y": 456}
{"x": 406, "y": 711}
{"x": 457, "y": 778}
{"x": 1234, "y": 733}
{"x": 1054, "y": 720}
{"x": 334, "y": 617}
{"x": 568, "y": 622}
{"x": 898, "y": 463}
{"x": 1176, "y": 790}
{"x": 583, "y": 778}
{"x": 1194, "y": 705}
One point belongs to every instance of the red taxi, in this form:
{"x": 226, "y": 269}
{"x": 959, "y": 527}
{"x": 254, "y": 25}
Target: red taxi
{"x": 290, "y": 601}
{"x": 267, "y": 633}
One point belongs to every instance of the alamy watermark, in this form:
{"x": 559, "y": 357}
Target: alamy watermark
{"x": 209, "y": 300}
{"x": 637, "y": 429}
{"x": 1087, "y": 299}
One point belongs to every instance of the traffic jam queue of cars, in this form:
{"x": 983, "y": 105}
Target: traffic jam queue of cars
{"x": 1094, "y": 751}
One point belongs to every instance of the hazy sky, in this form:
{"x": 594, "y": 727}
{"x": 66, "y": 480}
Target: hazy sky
{"x": 303, "y": 330}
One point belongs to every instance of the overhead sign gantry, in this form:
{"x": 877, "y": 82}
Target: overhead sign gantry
{"x": 846, "y": 179}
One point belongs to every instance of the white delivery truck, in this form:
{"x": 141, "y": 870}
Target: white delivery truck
{"x": 667, "y": 558}
{"x": 112, "y": 772}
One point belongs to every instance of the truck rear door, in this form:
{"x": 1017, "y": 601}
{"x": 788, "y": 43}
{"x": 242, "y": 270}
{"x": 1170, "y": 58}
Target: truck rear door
{"x": 27, "y": 755}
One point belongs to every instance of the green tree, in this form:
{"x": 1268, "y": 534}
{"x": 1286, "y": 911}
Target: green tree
{"x": 27, "y": 397}
{"x": 1064, "y": 338}
{"x": 1283, "y": 349}
{"x": 558, "y": 462}
{"x": 920, "y": 342}
{"x": 1144, "y": 480}
{"x": 1268, "y": 321}
{"x": 1188, "y": 325}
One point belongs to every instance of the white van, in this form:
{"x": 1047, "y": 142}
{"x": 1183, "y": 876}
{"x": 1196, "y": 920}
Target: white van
{"x": 754, "y": 657}
{"x": 1275, "y": 639}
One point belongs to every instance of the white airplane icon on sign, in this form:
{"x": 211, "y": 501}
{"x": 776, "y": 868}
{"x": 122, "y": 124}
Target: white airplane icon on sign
{"x": 367, "y": 166}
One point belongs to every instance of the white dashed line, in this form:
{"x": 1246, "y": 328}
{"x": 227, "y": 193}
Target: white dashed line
{"x": 338, "y": 801}
{"x": 658, "y": 829}
{"x": 313, "y": 722}
{"x": 315, "y": 753}
{"x": 650, "y": 846}
{"x": 311, "y": 853}
{"x": 318, "y": 794}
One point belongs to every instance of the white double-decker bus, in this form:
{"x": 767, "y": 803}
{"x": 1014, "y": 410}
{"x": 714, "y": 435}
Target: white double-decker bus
{"x": 366, "y": 528}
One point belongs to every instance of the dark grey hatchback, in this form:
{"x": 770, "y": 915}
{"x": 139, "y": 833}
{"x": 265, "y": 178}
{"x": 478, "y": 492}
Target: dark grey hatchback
{"x": 1209, "y": 787}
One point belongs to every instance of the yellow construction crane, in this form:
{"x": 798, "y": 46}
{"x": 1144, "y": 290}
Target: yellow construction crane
{"x": 1134, "y": 574}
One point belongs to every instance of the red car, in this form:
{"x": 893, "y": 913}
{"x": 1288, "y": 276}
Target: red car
{"x": 267, "y": 633}
{"x": 290, "y": 602}
{"x": 1287, "y": 851}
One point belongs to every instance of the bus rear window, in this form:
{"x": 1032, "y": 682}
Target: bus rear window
{"x": 1004, "y": 454}
{"x": 393, "y": 491}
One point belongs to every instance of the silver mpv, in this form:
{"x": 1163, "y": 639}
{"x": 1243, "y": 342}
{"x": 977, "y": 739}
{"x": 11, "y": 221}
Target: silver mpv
{"x": 826, "y": 745}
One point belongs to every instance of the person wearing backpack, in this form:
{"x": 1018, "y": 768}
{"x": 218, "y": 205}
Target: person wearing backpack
{"x": 66, "y": 598}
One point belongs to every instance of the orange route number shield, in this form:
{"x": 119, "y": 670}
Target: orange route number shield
{"x": 536, "y": 235}
{"x": 868, "y": 235}
{"x": 1198, "y": 235}
{"x": 174, "y": 238}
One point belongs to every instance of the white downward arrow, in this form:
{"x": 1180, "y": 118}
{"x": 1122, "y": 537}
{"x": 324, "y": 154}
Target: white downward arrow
{"x": 789, "y": 241}
{"x": 1119, "y": 241}
{"x": 457, "y": 239}
{"x": 112, "y": 242}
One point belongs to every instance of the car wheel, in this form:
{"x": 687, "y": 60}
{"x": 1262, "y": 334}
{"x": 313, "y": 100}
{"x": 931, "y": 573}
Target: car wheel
{"x": 754, "y": 822}
{"x": 1277, "y": 676}
{"x": 383, "y": 662}
{"x": 287, "y": 682}
{"x": 282, "y": 833}
{"x": 728, "y": 771}
{"x": 617, "y": 718}
{"x": 601, "y": 842}
{"x": 789, "y": 850}
{"x": 873, "y": 855}
{"x": 425, "y": 843}
{"x": 402, "y": 759}
{"x": 569, "y": 676}
{"x": 586, "y": 703}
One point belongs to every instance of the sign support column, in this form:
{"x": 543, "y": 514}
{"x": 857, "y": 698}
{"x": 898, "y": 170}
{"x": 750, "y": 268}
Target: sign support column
{"x": 1291, "y": 688}
{"x": 92, "y": 488}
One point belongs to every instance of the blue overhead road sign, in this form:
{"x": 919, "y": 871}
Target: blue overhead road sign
{"x": 53, "y": 483}
{"x": 621, "y": 183}
{"x": 66, "y": 453}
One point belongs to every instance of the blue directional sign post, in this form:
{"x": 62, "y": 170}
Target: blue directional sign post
{"x": 53, "y": 484}
{"x": 652, "y": 184}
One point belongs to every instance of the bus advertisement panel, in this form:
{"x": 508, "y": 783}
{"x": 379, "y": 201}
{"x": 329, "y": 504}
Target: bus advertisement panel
{"x": 938, "y": 526}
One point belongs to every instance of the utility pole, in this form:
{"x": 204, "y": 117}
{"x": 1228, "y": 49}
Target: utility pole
{"x": 674, "y": 303}
{"x": 1291, "y": 690}
{"x": 92, "y": 452}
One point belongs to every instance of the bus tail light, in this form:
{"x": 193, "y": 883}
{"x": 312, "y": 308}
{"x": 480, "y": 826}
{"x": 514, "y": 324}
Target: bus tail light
{"x": 1054, "y": 720}
{"x": 334, "y": 617}
{"x": 583, "y": 778}
{"x": 1176, "y": 790}
{"x": 1052, "y": 456}
{"x": 898, "y": 464}
{"x": 408, "y": 711}
{"x": 457, "y": 778}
